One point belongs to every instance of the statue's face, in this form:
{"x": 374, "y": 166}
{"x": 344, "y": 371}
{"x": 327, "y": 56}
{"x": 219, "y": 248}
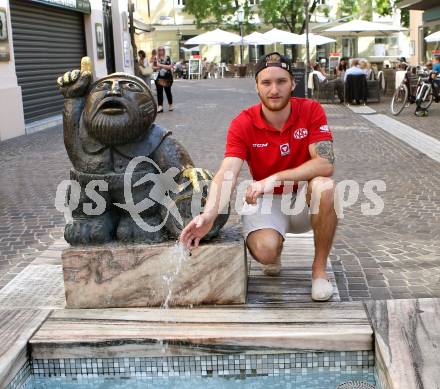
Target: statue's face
{"x": 119, "y": 110}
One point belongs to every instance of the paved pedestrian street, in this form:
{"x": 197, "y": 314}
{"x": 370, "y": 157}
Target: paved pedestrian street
{"x": 394, "y": 254}
{"x": 428, "y": 124}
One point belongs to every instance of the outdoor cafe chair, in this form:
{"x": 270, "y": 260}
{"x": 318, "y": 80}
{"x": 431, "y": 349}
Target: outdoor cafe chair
{"x": 356, "y": 89}
{"x": 212, "y": 70}
{"x": 221, "y": 69}
{"x": 382, "y": 82}
{"x": 250, "y": 70}
{"x": 229, "y": 71}
{"x": 323, "y": 90}
{"x": 373, "y": 90}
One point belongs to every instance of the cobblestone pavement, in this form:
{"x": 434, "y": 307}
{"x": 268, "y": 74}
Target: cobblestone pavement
{"x": 429, "y": 125}
{"x": 31, "y": 167}
{"x": 395, "y": 254}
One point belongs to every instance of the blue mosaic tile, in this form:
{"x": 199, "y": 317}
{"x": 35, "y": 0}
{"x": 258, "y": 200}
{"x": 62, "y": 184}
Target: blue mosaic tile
{"x": 208, "y": 365}
{"x": 22, "y": 379}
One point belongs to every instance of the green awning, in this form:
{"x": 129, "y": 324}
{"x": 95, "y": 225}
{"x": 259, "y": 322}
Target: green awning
{"x": 431, "y": 15}
{"x": 74, "y": 5}
{"x": 418, "y": 4}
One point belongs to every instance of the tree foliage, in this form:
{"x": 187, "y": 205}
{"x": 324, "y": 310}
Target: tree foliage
{"x": 383, "y": 7}
{"x": 218, "y": 12}
{"x": 282, "y": 13}
{"x": 348, "y": 8}
{"x": 285, "y": 14}
{"x": 404, "y": 15}
{"x": 363, "y": 9}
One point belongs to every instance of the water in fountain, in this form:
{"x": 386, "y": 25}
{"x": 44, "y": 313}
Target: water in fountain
{"x": 175, "y": 257}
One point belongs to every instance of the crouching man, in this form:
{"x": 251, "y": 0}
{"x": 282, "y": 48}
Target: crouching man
{"x": 283, "y": 140}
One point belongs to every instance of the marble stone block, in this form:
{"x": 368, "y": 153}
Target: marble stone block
{"x": 141, "y": 275}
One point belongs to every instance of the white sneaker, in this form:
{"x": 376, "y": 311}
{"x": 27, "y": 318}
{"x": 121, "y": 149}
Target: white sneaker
{"x": 322, "y": 289}
{"x": 272, "y": 269}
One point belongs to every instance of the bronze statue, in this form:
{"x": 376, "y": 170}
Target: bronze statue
{"x": 108, "y": 125}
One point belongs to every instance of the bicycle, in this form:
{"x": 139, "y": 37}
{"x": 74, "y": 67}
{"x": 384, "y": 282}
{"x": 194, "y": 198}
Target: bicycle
{"x": 427, "y": 92}
{"x": 405, "y": 93}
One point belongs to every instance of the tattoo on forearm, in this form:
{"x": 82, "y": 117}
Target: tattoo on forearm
{"x": 325, "y": 150}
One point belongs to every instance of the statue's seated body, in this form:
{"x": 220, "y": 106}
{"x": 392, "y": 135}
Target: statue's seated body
{"x": 136, "y": 181}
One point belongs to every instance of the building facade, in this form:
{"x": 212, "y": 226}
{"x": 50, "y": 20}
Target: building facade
{"x": 41, "y": 40}
{"x": 377, "y": 48}
{"x": 424, "y": 20}
{"x": 172, "y": 27}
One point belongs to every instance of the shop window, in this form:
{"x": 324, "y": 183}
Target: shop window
{"x": 255, "y": 53}
{"x": 349, "y": 47}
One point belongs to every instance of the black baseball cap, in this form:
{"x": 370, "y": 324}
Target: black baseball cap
{"x": 274, "y": 59}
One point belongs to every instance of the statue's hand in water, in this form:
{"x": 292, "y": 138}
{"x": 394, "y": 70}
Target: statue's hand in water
{"x": 76, "y": 83}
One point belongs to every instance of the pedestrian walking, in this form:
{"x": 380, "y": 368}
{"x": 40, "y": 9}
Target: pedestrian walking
{"x": 145, "y": 69}
{"x": 153, "y": 58}
{"x": 164, "y": 79}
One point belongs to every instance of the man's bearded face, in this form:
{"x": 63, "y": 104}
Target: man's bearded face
{"x": 274, "y": 86}
{"x": 119, "y": 110}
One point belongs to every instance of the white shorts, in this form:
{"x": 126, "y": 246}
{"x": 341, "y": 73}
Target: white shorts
{"x": 287, "y": 213}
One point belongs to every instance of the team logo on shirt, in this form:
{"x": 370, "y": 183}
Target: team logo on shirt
{"x": 300, "y": 133}
{"x": 324, "y": 128}
{"x": 284, "y": 149}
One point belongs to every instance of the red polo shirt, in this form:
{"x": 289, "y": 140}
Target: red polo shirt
{"x": 268, "y": 150}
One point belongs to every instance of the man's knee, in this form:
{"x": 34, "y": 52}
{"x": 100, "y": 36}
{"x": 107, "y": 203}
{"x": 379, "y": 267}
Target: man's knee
{"x": 265, "y": 246}
{"x": 321, "y": 193}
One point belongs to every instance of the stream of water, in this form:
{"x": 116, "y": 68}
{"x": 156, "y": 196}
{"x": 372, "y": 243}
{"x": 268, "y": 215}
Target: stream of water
{"x": 176, "y": 257}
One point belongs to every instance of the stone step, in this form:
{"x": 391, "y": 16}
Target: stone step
{"x": 16, "y": 327}
{"x": 75, "y": 333}
{"x": 293, "y": 284}
{"x": 40, "y": 285}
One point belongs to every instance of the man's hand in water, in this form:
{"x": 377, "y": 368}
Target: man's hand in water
{"x": 196, "y": 230}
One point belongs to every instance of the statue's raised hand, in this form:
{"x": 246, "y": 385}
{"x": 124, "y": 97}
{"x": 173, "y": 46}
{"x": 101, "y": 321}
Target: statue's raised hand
{"x": 76, "y": 82}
